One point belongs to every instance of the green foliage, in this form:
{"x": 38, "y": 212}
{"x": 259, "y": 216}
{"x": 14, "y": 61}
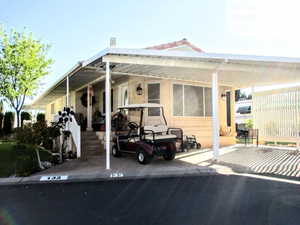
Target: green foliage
{"x": 45, "y": 155}
{"x": 22, "y": 63}
{"x": 40, "y": 117}
{"x": 21, "y": 159}
{"x": 8, "y": 123}
{"x": 25, "y": 116}
{"x": 26, "y": 160}
{"x": 37, "y": 134}
{"x": 249, "y": 123}
{"x": 7, "y": 159}
{"x": 32, "y": 134}
{"x": 1, "y": 123}
{"x": 1, "y": 106}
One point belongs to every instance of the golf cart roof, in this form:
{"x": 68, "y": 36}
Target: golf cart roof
{"x": 140, "y": 106}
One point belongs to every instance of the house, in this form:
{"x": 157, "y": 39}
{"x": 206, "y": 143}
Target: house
{"x": 195, "y": 88}
{"x": 243, "y": 113}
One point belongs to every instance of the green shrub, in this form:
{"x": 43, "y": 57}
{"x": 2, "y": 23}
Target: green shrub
{"x": 8, "y": 122}
{"x": 25, "y": 116}
{"x": 37, "y": 134}
{"x": 1, "y": 123}
{"x": 40, "y": 117}
{"x": 249, "y": 123}
{"x": 26, "y": 160}
{"x": 45, "y": 155}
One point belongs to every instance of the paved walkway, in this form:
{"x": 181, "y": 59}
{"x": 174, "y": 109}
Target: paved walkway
{"x": 232, "y": 159}
{"x": 127, "y": 166}
{"x": 264, "y": 160}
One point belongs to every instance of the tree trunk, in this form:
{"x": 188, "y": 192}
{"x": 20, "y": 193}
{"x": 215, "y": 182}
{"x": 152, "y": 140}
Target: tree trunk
{"x": 18, "y": 118}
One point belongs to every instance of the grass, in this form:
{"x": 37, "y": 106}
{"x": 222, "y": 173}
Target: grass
{"x": 8, "y": 158}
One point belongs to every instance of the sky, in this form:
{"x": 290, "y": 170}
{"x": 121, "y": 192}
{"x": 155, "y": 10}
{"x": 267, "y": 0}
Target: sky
{"x": 77, "y": 30}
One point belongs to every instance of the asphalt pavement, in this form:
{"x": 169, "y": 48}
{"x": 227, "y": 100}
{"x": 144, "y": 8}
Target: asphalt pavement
{"x": 215, "y": 199}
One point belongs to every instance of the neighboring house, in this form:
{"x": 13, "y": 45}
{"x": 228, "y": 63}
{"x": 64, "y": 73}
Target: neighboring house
{"x": 186, "y": 104}
{"x": 243, "y": 112}
{"x": 276, "y": 114}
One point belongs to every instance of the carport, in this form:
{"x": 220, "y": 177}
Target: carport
{"x": 237, "y": 71}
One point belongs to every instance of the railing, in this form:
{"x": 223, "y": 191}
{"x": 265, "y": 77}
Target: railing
{"x": 74, "y": 128}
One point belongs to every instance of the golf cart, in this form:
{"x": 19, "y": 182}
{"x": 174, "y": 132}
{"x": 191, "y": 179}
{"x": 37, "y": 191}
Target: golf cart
{"x": 144, "y": 138}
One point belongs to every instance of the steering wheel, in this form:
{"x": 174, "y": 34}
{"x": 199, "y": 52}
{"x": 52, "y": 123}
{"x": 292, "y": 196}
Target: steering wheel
{"x": 133, "y": 125}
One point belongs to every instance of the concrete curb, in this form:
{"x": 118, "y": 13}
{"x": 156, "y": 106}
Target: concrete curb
{"x": 108, "y": 176}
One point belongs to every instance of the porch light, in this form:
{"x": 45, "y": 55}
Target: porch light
{"x": 139, "y": 90}
{"x": 223, "y": 96}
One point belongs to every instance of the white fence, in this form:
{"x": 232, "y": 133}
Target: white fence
{"x": 75, "y": 130}
{"x": 276, "y": 113}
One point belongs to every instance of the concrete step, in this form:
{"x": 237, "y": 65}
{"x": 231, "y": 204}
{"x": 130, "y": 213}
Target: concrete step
{"x": 94, "y": 148}
{"x": 91, "y": 153}
{"x": 91, "y": 142}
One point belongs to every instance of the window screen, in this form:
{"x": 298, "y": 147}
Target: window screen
{"x": 178, "y": 100}
{"x": 154, "y": 97}
{"x": 193, "y": 101}
{"x": 208, "y": 99}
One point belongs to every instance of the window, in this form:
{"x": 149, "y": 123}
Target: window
{"x": 178, "y": 99}
{"x": 154, "y": 97}
{"x": 52, "y": 108}
{"x": 191, "y": 100}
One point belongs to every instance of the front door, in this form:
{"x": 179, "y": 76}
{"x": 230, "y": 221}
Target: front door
{"x": 123, "y": 95}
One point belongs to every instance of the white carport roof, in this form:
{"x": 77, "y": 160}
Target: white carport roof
{"x": 234, "y": 70}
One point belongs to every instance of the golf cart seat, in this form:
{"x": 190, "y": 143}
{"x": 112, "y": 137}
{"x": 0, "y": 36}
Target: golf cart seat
{"x": 158, "y": 132}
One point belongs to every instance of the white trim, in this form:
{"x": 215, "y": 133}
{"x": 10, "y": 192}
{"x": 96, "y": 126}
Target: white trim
{"x": 120, "y": 93}
{"x": 107, "y": 115}
{"x": 215, "y": 113}
{"x": 68, "y": 92}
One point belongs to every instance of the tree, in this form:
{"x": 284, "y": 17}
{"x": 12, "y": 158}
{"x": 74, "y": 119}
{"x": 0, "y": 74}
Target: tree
{"x": 25, "y": 116}
{"x": 23, "y": 62}
{"x": 249, "y": 123}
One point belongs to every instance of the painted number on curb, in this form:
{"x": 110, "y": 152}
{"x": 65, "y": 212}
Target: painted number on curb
{"x": 53, "y": 178}
{"x": 115, "y": 175}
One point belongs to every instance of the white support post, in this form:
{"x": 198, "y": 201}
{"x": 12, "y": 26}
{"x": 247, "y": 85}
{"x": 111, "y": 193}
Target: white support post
{"x": 89, "y": 110}
{"x": 69, "y": 141}
{"x": 215, "y": 116}
{"x": 107, "y": 115}
{"x": 68, "y": 92}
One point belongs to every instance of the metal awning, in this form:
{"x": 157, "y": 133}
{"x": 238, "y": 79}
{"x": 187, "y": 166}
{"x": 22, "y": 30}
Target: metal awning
{"x": 239, "y": 71}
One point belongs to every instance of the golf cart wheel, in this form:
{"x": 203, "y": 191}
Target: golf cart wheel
{"x": 169, "y": 155}
{"x": 142, "y": 157}
{"x": 198, "y": 146}
{"x": 115, "y": 151}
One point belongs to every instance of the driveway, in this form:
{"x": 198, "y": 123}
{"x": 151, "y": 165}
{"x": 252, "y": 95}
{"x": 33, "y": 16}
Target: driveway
{"x": 264, "y": 160}
{"x": 94, "y": 167}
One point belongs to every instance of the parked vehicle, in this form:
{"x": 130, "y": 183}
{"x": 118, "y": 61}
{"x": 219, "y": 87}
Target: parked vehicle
{"x": 145, "y": 140}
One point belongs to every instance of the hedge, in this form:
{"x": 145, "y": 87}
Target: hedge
{"x": 8, "y": 122}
